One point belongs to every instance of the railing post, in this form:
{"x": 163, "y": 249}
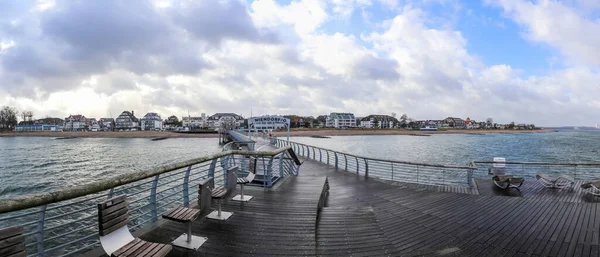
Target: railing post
{"x": 346, "y": 162}
{"x": 314, "y": 154}
{"x": 357, "y": 168}
{"x": 320, "y": 155}
{"x": 211, "y": 168}
{"x": 270, "y": 171}
{"x": 110, "y": 193}
{"x": 307, "y": 152}
{"x": 40, "y": 231}
{"x": 281, "y": 165}
{"x": 417, "y": 174}
{"x": 366, "y": 168}
{"x": 392, "y": 170}
{"x": 303, "y": 150}
{"x": 153, "y": 205}
{"x": 327, "y": 152}
{"x": 336, "y": 160}
{"x": 186, "y": 194}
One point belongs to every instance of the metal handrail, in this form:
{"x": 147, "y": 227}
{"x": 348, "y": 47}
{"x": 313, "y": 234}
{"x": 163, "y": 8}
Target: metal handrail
{"x": 545, "y": 163}
{"x": 30, "y": 201}
{"x": 412, "y": 172}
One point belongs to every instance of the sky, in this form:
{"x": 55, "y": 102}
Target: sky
{"x": 511, "y": 60}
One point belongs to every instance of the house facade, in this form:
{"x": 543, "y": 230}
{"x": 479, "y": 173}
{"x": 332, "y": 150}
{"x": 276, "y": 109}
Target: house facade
{"x": 127, "y": 122}
{"x": 455, "y": 122}
{"x": 194, "y": 122}
{"x": 341, "y": 120}
{"x": 151, "y": 121}
{"x": 229, "y": 120}
{"x": 106, "y": 124}
{"x": 378, "y": 121}
{"x": 93, "y": 125}
{"x": 75, "y": 122}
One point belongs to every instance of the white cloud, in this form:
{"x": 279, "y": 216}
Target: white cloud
{"x": 284, "y": 59}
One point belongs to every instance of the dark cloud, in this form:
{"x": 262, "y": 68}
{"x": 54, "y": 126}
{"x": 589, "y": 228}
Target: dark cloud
{"x": 372, "y": 67}
{"x": 214, "y": 21}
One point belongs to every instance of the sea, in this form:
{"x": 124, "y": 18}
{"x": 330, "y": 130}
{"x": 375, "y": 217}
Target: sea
{"x": 36, "y": 164}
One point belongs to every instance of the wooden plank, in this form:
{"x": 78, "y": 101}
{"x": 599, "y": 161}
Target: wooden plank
{"x": 10, "y": 232}
{"x": 111, "y": 202}
{"x": 103, "y": 211}
{"x": 12, "y": 249}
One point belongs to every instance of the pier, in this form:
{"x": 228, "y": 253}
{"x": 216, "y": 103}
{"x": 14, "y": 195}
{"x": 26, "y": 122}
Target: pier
{"x": 337, "y": 204}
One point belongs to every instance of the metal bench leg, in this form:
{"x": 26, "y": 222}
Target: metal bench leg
{"x": 189, "y": 241}
{"x": 218, "y": 214}
{"x": 241, "y": 197}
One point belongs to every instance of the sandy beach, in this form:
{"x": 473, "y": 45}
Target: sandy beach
{"x": 295, "y": 132}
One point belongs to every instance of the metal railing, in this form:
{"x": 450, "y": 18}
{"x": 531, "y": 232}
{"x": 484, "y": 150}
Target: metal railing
{"x": 64, "y": 222}
{"x": 578, "y": 171}
{"x": 411, "y": 172}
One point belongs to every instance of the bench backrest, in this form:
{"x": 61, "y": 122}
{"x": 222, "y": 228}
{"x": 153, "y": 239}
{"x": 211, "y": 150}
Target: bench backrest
{"x": 112, "y": 214}
{"x": 252, "y": 164}
{"x": 12, "y": 242}
{"x": 204, "y": 197}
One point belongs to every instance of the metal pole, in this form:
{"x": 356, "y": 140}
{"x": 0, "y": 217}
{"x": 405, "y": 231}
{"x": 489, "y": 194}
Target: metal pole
{"x": 281, "y": 165}
{"x": 366, "y": 168}
{"x": 153, "y": 199}
{"x": 189, "y": 235}
{"x": 270, "y": 171}
{"x": 327, "y": 152}
{"x": 320, "y": 155}
{"x": 336, "y": 160}
{"x": 346, "y": 162}
{"x": 40, "y": 231}
{"x": 110, "y": 193}
{"x": 186, "y": 179}
{"x": 392, "y": 170}
{"x": 211, "y": 168}
{"x": 357, "y": 173}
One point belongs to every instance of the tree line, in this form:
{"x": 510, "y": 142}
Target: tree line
{"x": 8, "y": 118}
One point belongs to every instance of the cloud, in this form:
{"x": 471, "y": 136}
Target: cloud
{"x": 100, "y": 58}
{"x": 559, "y": 26}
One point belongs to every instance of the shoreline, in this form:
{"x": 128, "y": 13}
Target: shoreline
{"x": 293, "y": 133}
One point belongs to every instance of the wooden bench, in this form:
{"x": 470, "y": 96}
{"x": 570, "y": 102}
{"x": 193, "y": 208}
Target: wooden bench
{"x": 115, "y": 238}
{"x": 221, "y": 193}
{"x": 12, "y": 242}
{"x": 248, "y": 179}
{"x": 508, "y": 181}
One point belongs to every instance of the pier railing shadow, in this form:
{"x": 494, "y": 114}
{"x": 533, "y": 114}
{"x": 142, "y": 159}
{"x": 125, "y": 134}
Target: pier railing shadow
{"x": 64, "y": 222}
{"x": 402, "y": 171}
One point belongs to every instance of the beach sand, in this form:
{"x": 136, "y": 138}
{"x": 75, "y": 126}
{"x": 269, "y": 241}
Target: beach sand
{"x": 294, "y": 132}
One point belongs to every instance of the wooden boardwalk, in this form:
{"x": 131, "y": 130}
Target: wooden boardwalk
{"x": 365, "y": 217}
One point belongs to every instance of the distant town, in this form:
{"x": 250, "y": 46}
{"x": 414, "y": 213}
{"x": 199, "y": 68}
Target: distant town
{"x": 128, "y": 121}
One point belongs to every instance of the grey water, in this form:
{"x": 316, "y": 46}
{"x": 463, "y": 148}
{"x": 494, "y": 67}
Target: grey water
{"x": 31, "y": 165}
{"x": 461, "y": 149}
{"x": 36, "y": 164}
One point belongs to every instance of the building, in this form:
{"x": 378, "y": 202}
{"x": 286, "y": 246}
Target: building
{"x": 127, "y": 122}
{"x": 378, "y": 121}
{"x": 340, "y": 120}
{"x": 76, "y": 122}
{"x": 38, "y": 127}
{"x": 455, "y": 122}
{"x": 230, "y": 120}
{"x": 51, "y": 121}
{"x": 106, "y": 124}
{"x": 194, "y": 122}
{"x": 151, "y": 121}
{"x": 93, "y": 125}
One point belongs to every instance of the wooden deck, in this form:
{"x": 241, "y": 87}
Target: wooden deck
{"x": 365, "y": 217}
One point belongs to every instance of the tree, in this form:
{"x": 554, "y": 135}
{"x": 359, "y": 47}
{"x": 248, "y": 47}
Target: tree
{"x": 8, "y": 118}
{"x": 512, "y": 125}
{"x": 403, "y": 120}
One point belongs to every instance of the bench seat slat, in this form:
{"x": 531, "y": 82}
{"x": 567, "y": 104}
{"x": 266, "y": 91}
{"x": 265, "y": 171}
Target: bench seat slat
{"x": 10, "y": 232}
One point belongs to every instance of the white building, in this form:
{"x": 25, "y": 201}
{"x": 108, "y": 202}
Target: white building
{"x": 75, "y": 123}
{"x": 230, "y": 119}
{"x": 378, "y": 121}
{"x": 94, "y": 125}
{"x": 340, "y": 120}
{"x": 194, "y": 122}
{"x": 151, "y": 121}
{"x": 106, "y": 124}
